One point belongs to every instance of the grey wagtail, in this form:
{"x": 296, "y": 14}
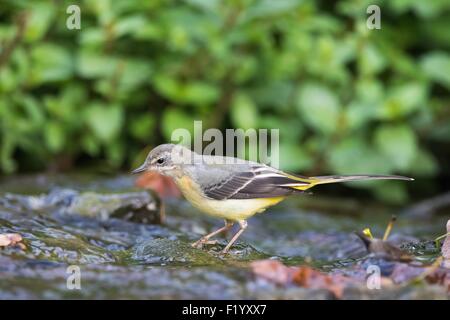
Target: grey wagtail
{"x": 231, "y": 188}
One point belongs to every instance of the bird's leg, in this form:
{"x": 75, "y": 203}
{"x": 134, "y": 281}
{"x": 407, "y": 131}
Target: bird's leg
{"x": 204, "y": 239}
{"x": 243, "y": 224}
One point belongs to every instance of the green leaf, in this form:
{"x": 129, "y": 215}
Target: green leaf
{"x": 358, "y": 114}
{"x": 371, "y": 60}
{"x": 115, "y": 153}
{"x": 93, "y": 37}
{"x": 7, "y": 147}
{"x": 243, "y": 112}
{"x": 319, "y": 107}
{"x": 50, "y": 63}
{"x": 269, "y": 8}
{"x": 437, "y": 66}
{"x": 424, "y": 164}
{"x": 7, "y": 80}
{"x": 403, "y": 100}
{"x": 33, "y": 109}
{"x": 130, "y": 24}
{"x": 294, "y": 158}
{"x": 94, "y": 65}
{"x": 393, "y": 192}
{"x": 369, "y": 90}
{"x": 134, "y": 74}
{"x": 199, "y": 93}
{"x": 289, "y": 127}
{"x": 431, "y": 9}
{"x": 90, "y": 144}
{"x": 166, "y": 86}
{"x": 354, "y": 155}
{"x": 274, "y": 94}
{"x": 174, "y": 119}
{"x": 412, "y": 95}
{"x": 142, "y": 127}
{"x": 210, "y": 5}
{"x": 104, "y": 121}
{"x": 196, "y": 92}
{"x": 398, "y": 143}
{"x": 150, "y": 31}
{"x": 54, "y": 136}
{"x": 39, "y": 20}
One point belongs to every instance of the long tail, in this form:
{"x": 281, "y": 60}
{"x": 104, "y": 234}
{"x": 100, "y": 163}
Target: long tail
{"x": 309, "y": 182}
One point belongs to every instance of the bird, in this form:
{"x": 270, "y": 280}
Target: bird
{"x": 230, "y": 188}
{"x": 383, "y": 248}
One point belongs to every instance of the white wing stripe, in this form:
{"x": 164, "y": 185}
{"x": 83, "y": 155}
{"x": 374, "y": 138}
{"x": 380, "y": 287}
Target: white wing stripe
{"x": 268, "y": 175}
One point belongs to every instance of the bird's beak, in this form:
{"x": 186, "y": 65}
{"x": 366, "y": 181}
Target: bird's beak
{"x": 142, "y": 168}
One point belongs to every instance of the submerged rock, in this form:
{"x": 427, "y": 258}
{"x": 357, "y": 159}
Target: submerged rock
{"x": 139, "y": 207}
{"x": 171, "y": 252}
{"x": 134, "y": 206}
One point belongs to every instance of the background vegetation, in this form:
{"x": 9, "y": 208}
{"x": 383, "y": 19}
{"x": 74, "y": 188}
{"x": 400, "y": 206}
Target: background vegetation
{"x": 347, "y": 99}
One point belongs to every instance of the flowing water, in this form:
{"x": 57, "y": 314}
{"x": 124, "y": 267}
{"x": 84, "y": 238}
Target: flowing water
{"x": 115, "y": 238}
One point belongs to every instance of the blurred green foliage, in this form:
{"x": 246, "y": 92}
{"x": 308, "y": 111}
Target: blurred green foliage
{"x": 346, "y": 99}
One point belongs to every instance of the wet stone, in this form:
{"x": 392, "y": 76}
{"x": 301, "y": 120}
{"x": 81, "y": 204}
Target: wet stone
{"x": 113, "y": 233}
{"x": 171, "y": 252}
{"x": 139, "y": 206}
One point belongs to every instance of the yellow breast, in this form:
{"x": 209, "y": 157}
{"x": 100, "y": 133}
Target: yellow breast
{"x": 230, "y": 209}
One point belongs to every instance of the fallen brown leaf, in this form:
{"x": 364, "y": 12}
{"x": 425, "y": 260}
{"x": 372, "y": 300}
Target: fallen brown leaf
{"x": 439, "y": 276}
{"x": 162, "y": 185}
{"x": 11, "y": 239}
{"x": 309, "y": 278}
{"x": 302, "y": 276}
{"x": 273, "y": 271}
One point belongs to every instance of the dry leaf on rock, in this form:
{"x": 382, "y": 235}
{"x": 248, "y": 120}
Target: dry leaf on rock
{"x": 309, "y": 278}
{"x": 302, "y": 276}
{"x": 162, "y": 185}
{"x": 439, "y": 276}
{"x": 11, "y": 239}
{"x": 273, "y": 271}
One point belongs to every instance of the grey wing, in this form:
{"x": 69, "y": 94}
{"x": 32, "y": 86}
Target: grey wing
{"x": 254, "y": 182}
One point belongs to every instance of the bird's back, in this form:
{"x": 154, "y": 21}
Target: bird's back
{"x": 231, "y": 178}
{"x": 223, "y": 178}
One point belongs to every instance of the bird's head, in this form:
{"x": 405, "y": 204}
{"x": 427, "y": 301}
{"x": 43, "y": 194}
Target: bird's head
{"x": 166, "y": 159}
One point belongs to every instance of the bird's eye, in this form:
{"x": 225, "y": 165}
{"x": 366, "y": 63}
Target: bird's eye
{"x": 160, "y": 161}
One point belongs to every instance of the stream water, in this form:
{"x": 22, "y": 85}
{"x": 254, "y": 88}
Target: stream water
{"x": 111, "y": 233}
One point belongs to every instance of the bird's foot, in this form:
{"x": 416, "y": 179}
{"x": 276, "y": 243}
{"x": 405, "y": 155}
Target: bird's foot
{"x": 200, "y": 243}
